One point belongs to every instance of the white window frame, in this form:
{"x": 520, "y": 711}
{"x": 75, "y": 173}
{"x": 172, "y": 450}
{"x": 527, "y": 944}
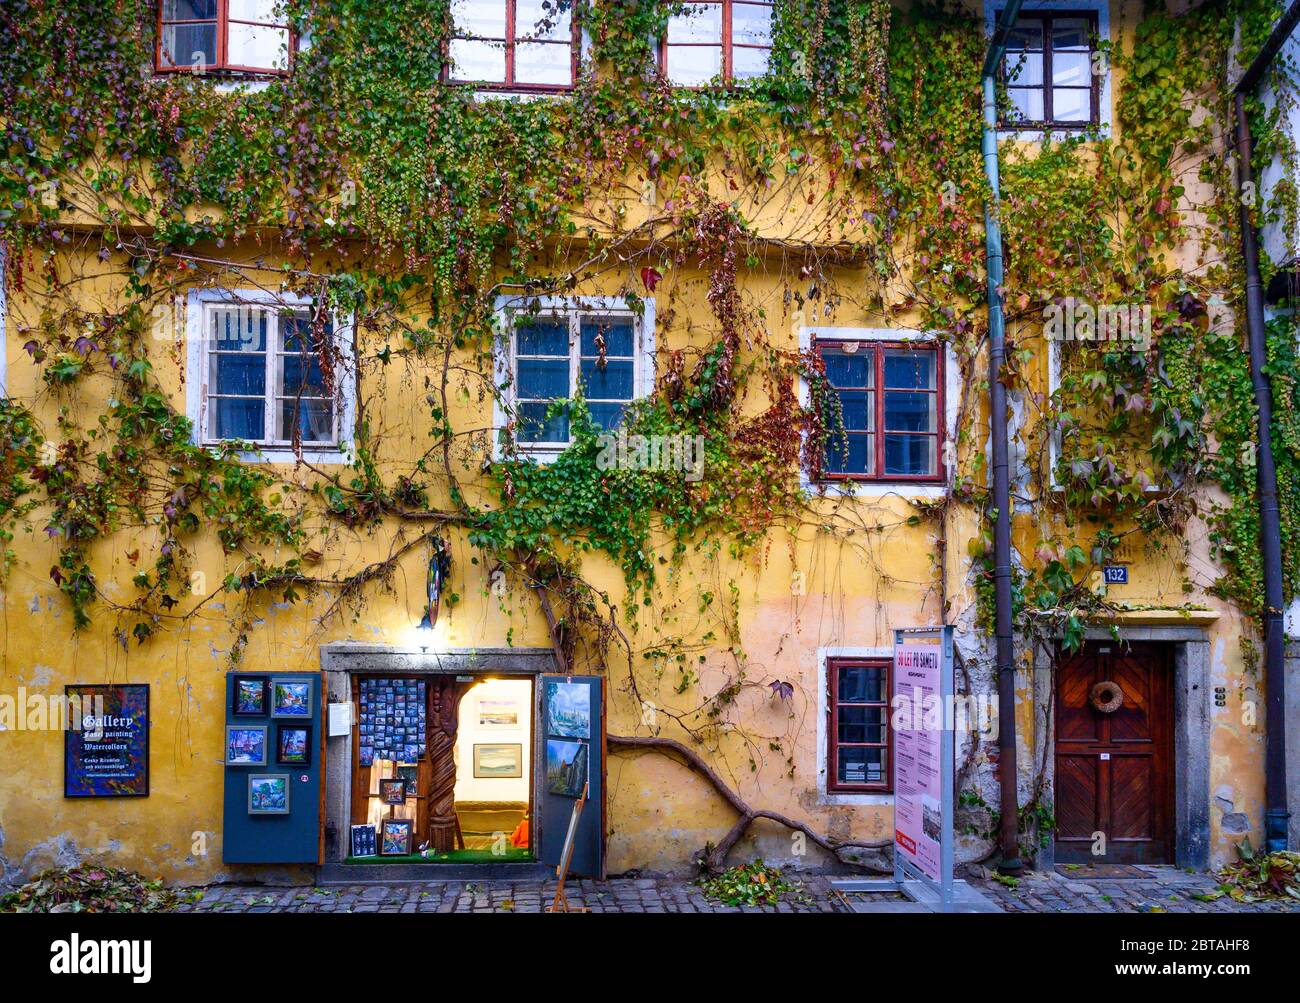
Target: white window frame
{"x": 1102, "y": 9}
{"x": 661, "y": 53}
{"x": 483, "y": 92}
{"x": 951, "y": 409}
{"x": 572, "y": 307}
{"x": 199, "y": 304}
{"x": 825, "y": 796}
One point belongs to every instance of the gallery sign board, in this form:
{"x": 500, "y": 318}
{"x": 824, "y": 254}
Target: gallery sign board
{"x": 921, "y": 706}
{"x": 106, "y": 741}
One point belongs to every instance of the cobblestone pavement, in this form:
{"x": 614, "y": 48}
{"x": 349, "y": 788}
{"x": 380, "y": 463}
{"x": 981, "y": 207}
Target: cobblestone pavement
{"x": 1168, "y": 889}
{"x": 621, "y": 895}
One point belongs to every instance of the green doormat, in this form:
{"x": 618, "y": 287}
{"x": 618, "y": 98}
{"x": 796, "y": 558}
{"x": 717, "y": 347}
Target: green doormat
{"x": 512, "y": 855}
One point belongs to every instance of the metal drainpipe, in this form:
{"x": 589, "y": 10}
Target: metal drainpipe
{"x": 1276, "y": 814}
{"x": 1006, "y": 669}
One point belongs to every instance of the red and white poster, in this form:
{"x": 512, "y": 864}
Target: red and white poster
{"x": 918, "y": 758}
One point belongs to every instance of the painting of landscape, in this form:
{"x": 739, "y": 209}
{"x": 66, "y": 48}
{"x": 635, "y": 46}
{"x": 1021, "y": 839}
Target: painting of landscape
{"x": 568, "y": 706}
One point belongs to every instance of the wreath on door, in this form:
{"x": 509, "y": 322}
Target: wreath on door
{"x": 1106, "y": 697}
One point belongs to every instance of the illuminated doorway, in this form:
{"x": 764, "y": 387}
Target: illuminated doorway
{"x": 494, "y": 769}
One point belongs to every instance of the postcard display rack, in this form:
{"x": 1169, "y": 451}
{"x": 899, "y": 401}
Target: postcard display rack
{"x": 273, "y": 792}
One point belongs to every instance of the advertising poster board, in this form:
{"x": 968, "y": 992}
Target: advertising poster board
{"x": 921, "y": 707}
{"x": 106, "y": 749}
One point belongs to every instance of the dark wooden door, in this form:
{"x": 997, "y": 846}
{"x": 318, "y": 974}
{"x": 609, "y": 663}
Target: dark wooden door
{"x": 1114, "y": 767}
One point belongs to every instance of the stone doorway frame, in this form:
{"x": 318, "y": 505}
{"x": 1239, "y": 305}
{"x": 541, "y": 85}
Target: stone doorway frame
{"x": 341, "y": 661}
{"x": 1192, "y": 723}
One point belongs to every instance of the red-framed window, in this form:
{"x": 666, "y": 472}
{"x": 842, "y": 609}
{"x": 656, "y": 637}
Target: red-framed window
{"x": 860, "y": 742}
{"x": 891, "y": 399}
{"x": 518, "y": 45}
{"x": 1049, "y": 73}
{"x": 229, "y": 36}
{"x": 727, "y": 39}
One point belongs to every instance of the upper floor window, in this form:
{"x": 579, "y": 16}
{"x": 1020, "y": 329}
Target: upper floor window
{"x": 238, "y": 36}
{"x": 272, "y": 371}
{"x": 889, "y": 396}
{"x": 730, "y": 39}
{"x": 594, "y": 347}
{"x": 1049, "y": 70}
{"x": 513, "y": 44}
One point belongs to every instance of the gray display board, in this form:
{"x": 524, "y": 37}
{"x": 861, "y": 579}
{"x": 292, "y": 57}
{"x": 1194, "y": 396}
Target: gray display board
{"x": 572, "y": 747}
{"x": 291, "y": 837}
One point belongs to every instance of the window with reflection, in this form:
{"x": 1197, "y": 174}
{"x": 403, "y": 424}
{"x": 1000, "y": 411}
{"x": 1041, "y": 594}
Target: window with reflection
{"x": 859, "y": 741}
{"x": 890, "y": 400}
{"x": 723, "y": 40}
{"x": 556, "y": 355}
{"x": 1048, "y": 70}
{"x": 263, "y": 379}
{"x": 233, "y": 36}
{"x": 513, "y": 44}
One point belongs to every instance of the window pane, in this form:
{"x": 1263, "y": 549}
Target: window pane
{"x": 1025, "y": 35}
{"x": 857, "y": 460}
{"x": 533, "y": 426}
{"x": 861, "y": 724}
{"x": 537, "y": 19}
{"x": 701, "y": 22}
{"x": 302, "y": 376}
{"x": 1026, "y": 105}
{"x": 748, "y": 63}
{"x": 543, "y": 379}
{"x": 238, "y": 419}
{"x": 751, "y": 24}
{"x": 296, "y": 331}
{"x": 909, "y": 455}
{"x": 612, "y": 382}
{"x": 189, "y": 10}
{"x": 314, "y": 418}
{"x": 909, "y": 370}
{"x": 479, "y": 17}
{"x": 690, "y": 65}
{"x": 607, "y": 416}
{"x": 238, "y": 329}
{"x": 542, "y": 337}
{"x": 257, "y": 10}
{"x": 238, "y": 374}
{"x": 477, "y": 60}
{"x": 1025, "y": 69}
{"x": 860, "y": 683}
{"x": 543, "y": 63}
{"x": 263, "y": 48}
{"x": 1070, "y": 68}
{"x": 856, "y": 408}
{"x": 1071, "y": 104}
{"x": 1070, "y": 32}
{"x": 862, "y": 766}
{"x": 848, "y": 370}
{"x": 617, "y": 335}
{"x": 909, "y": 412}
{"x": 187, "y": 44}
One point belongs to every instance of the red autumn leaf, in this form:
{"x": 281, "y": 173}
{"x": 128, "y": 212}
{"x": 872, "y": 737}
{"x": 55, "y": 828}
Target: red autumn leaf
{"x": 650, "y": 278}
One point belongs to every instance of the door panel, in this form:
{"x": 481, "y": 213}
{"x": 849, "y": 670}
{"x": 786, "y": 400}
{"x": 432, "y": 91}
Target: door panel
{"x": 572, "y": 746}
{"x": 1114, "y": 769}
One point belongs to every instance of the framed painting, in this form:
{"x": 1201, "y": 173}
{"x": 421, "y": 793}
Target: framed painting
{"x": 504, "y": 762}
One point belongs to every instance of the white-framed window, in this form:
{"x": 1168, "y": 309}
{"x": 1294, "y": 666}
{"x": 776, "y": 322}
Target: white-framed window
{"x": 944, "y": 397}
{"x": 271, "y": 370}
{"x": 1058, "y": 95}
{"x": 717, "y": 39}
{"x": 853, "y": 742}
{"x": 553, "y": 348}
{"x": 514, "y": 45}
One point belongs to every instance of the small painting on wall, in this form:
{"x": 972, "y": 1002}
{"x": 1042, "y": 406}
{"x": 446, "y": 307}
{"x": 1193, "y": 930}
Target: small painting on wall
{"x": 568, "y": 708}
{"x": 566, "y": 767}
{"x": 249, "y": 696}
{"x": 291, "y": 698}
{"x": 504, "y": 762}
{"x": 498, "y": 713}
{"x": 268, "y": 794}
{"x": 245, "y": 746}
